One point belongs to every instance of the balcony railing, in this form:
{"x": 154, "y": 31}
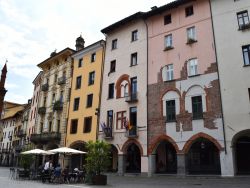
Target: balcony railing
{"x": 42, "y": 110}
{"x": 132, "y": 132}
{"x": 45, "y": 137}
{"x": 108, "y": 132}
{"x": 61, "y": 80}
{"x": 45, "y": 87}
{"x": 58, "y": 106}
{"x": 21, "y": 133}
{"x": 131, "y": 98}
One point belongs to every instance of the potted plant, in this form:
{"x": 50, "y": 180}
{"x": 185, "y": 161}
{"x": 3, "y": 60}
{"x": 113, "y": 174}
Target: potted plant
{"x": 97, "y": 161}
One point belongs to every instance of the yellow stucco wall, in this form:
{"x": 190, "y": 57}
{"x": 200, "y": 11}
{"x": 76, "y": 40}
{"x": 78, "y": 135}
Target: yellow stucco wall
{"x": 83, "y": 111}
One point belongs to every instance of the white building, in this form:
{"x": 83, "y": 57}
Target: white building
{"x": 232, "y": 38}
{"x": 123, "y": 98}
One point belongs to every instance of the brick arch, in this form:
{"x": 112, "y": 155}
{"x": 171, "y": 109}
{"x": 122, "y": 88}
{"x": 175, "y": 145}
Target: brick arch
{"x": 118, "y": 84}
{"x": 191, "y": 140}
{"x": 128, "y": 143}
{"x": 77, "y": 142}
{"x": 196, "y": 85}
{"x": 158, "y": 140}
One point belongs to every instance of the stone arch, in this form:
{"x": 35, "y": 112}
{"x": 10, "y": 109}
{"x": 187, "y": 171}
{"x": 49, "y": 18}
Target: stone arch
{"x": 191, "y": 140}
{"x": 152, "y": 148}
{"x": 238, "y": 135}
{"x": 78, "y": 142}
{"x": 118, "y": 84}
{"x": 128, "y": 143}
{"x": 171, "y": 94}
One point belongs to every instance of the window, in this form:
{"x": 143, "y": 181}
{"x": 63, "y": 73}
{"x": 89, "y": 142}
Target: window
{"x": 133, "y": 85}
{"x": 167, "y": 19}
{"x": 170, "y": 110}
{"x": 112, "y": 66}
{"x": 111, "y": 91}
{"x": 50, "y": 126}
{"x": 134, "y": 35}
{"x": 114, "y": 44}
{"x": 55, "y": 78}
{"x": 168, "y": 72}
{"x": 249, "y": 93}
{"x": 120, "y": 120}
{"x": 93, "y": 57}
{"x": 189, "y": 11}
{"x": 58, "y": 126}
{"x": 191, "y": 34}
{"x": 133, "y": 120}
{"x": 110, "y": 118}
{"x": 89, "y": 100}
{"x": 78, "y": 82}
{"x": 73, "y": 128}
{"x": 80, "y": 62}
{"x": 243, "y": 19}
{"x": 197, "y": 107}
{"x": 133, "y": 59}
{"x": 76, "y": 104}
{"x": 192, "y": 67}
{"x": 168, "y": 41}
{"x": 53, "y": 98}
{"x": 44, "y": 101}
{"x": 87, "y": 124}
{"x": 246, "y": 54}
{"x": 91, "y": 78}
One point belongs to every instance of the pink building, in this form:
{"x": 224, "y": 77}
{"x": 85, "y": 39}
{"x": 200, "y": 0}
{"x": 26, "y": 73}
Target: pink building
{"x": 185, "y": 128}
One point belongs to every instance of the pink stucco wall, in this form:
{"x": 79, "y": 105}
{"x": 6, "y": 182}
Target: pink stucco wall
{"x": 203, "y": 49}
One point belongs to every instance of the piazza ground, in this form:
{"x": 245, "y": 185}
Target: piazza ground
{"x": 137, "y": 182}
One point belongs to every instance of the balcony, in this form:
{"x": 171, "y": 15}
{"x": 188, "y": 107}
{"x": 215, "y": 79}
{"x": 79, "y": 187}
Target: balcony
{"x": 61, "y": 80}
{"x": 131, "y": 98}
{"x": 108, "y": 132}
{"x": 58, "y": 106}
{"x": 25, "y": 118}
{"x": 45, "y": 87}
{"x": 21, "y": 134}
{"x": 191, "y": 40}
{"x": 132, "y": 132}
{"x": 244, "y": 26}
{"x": 45, "y": 137}
{"x": 42, "y": 110}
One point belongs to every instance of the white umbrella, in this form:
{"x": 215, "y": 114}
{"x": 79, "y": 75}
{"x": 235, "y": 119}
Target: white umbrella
{"x": 37, "y": 152}
{"x": 66, "y": 150}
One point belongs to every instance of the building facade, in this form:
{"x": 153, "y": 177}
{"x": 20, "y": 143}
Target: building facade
{"x": 185, "y": 128}
{"x": 123, "y": 112}
{"x": 85, "y": 98}
{"x": 53, "y": 101}
{"x": 232, "y": 38}
{"x": 11, "y": 117}
{"x": 2, "y": 88}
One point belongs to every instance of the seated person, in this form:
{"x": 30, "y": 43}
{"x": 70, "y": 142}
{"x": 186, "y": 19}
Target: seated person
{"x": 57, "y": 171}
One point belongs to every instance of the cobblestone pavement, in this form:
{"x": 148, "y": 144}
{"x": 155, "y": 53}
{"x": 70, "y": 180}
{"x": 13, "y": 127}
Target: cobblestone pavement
{"x": 136, "y": 181}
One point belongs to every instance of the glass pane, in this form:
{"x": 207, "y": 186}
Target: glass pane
{"x": 246, "y": 58}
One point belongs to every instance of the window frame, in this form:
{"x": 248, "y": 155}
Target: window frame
{"x": 241, "y": 13}
{"x": 167, "y": 19}
{"x": 93, "y": 57}
{"x": 197, "y": 107}
{"x": 78, "y": 82}
{"x": 121, "y": 118}
{"x": 76, "y": 106}
{"x": 89, "y": 104}
{"x": 112, "y": 66}
{"x": 192, "y": 63}
{"x": 191, "y": 33}
{"x": 91, "y": 80}
{"x": 71, "y": 126}
{"x": 80, "y": 61}
{"x": 134, "y": 56}
{"x": 113, "y": 91}
{"x": 114, "y": 44}
{"x": 189, "y": 11}
{"x": 170, "y": 111}
{"x": 89, "y": 118}
{"x": 246, "y": 47}
{"x": 134, "y": 35}
{"x": 166, "y": 46}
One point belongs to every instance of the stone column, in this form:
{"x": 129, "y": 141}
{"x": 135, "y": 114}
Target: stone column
{"x": 151, "y": 164}
{"x": 181, "y": 164}
{"x": 121, "y": 164}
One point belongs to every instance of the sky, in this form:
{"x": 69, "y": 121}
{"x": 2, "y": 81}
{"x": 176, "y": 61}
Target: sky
{"x": 30, "y": 30}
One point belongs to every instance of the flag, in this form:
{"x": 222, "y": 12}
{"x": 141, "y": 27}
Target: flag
{"x": 125, "y": 124}
{"x": 129, "y": 126}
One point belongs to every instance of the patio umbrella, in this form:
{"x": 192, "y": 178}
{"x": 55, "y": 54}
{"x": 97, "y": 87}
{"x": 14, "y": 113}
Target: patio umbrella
{"x": 66, "y": 151}
{"x": 37, "y": 152}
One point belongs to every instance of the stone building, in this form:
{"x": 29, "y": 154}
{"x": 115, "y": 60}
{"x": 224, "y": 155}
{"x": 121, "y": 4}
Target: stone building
{"x": 232, "y": 39}
{"x": 123, "y": 112}
{"x": 2, "y": 88}
{"x": 185, "y": 128}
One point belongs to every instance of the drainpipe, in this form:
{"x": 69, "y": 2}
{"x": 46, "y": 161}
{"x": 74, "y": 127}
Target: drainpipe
{"x": 100, "y": 94}
{"x": 144, "y": 19}
{"x": 223, "y": 122}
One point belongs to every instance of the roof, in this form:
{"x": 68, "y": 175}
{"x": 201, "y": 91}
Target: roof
{"x": 87, "y": 47}
{"x": 168, "y": 6}
{"x": 12, "y": 111}
{"x": 122, "y": 22}
{"x": 56, "y": 56}
{"x": 37, "y": 77}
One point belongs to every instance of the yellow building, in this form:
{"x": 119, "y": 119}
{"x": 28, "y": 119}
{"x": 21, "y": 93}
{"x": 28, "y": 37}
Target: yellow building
{"x": 85, "y": 97}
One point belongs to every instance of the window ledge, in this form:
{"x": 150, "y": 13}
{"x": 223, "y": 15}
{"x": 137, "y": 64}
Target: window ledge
{"x": 170, "y": 121}
{"x": 110, "y": 98}
{"x": 244, "y": 27}
{"x": 246, "y": 65}
{"x": 133, "y": 65}
{"x": 168, "y": 48}
{"x": 194, "y": 75}
{"x": 170, "y": 80}
{"x": 191, "y": 41}
{"x": 134, "y": 40}
{"x": 198, "y": 118}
